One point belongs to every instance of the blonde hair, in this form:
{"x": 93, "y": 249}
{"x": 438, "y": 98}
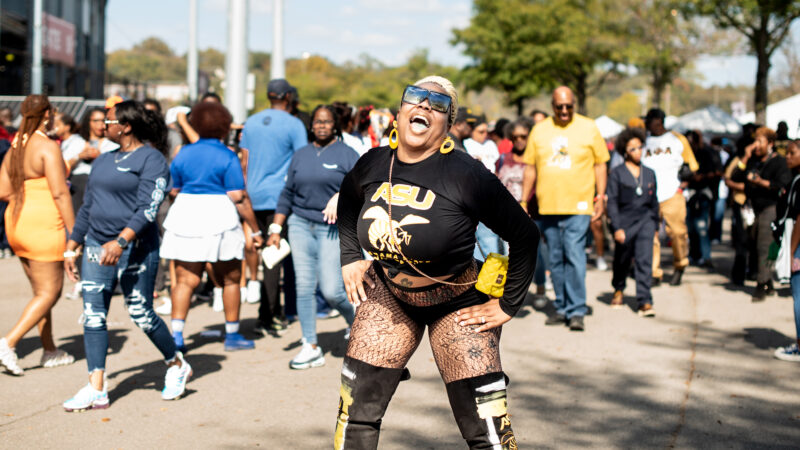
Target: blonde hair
{"x": 448, "y": 87}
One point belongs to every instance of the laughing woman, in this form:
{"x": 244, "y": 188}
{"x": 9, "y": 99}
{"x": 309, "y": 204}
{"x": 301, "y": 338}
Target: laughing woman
{"x": 414, "y": 207}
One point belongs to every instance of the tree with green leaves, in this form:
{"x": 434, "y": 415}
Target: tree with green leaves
{"x": 764, "y": 23}
{"x": 525, "y": 46}
{"x": 660, "y": 41}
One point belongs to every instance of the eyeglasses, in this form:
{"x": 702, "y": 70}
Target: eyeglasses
{"x": 567, "y": 106}
{"x": 97, "y": 120}
{"x": 322, "y": 122}
{"x": 519, "y": 136}
{"x": 110, "y": 122}
{"x": 438, "y": 101}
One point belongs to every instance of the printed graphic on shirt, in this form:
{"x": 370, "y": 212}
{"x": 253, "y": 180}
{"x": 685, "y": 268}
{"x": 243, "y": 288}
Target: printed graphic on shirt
{"x": 404, "y": 195}
{"x": 657, "y": 151}
{"x": 560, "y": 157}
{"x": 386, "y": 237}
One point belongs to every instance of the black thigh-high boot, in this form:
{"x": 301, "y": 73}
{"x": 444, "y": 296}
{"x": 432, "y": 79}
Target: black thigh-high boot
{"x": 481, "y": 411}
{"x": 363, "y": 398}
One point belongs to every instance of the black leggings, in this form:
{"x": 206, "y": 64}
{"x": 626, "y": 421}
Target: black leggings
{"x": 388, "y": 329}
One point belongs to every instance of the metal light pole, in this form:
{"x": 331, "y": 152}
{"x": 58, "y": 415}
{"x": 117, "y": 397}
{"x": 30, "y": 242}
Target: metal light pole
{"x": 236, "y": 60}
{"x": 36, "y": 51}
{"x": 277, "y": 64}
{"x": 191, "y": 57}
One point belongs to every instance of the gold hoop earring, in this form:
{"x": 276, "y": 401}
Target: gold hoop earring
{"x": 393, "y": 139}
{"x": 447, "y": 145}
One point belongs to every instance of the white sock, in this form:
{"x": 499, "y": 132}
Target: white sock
{"x": 231, "y": 327}
{"x": 177, "y": 325}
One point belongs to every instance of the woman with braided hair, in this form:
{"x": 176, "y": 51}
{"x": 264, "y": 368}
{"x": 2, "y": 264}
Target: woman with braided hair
{"x": 414, "y": 207}
{"x": 38, "y": 218}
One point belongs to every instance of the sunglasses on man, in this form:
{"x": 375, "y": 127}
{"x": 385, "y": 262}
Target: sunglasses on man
{"x": 415, "y": 95}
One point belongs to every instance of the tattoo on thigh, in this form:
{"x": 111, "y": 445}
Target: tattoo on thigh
{"x": 405, "y": 282}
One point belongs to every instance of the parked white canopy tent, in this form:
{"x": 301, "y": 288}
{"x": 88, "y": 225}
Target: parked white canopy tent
{"x": 709, "y": 120}
{"x": 609, "y": 127}
{"x": 786, "y": 110}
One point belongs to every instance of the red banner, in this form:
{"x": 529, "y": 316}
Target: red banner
{"x": 59, "y": 40}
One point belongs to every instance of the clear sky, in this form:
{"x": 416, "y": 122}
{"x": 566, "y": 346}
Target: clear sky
{"x": 343, "y": 29}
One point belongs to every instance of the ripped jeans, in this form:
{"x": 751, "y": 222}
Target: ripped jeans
{"x": 136, "y": 273}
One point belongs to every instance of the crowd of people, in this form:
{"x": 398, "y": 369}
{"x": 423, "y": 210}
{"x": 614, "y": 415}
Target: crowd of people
{"x": 389, "y": 219}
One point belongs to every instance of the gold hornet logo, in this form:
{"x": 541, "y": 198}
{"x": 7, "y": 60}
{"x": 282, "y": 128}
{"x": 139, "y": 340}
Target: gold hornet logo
{"x": 382, "y": 237}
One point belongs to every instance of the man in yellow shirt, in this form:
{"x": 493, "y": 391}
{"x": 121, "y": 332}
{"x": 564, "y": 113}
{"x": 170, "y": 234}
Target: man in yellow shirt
{"x": 666, "y": 152}
{"x": 566, "y": 162}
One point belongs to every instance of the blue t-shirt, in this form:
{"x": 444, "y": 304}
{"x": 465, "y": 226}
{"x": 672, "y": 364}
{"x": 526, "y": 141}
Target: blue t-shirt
{"x": 124, "y": 191}
{"x": 206, "y": 167}
{"x": 314, "y": 175}
{"x": 271, "y": 138}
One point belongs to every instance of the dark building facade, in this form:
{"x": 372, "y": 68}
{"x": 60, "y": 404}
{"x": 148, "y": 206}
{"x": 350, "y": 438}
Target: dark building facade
{"x": 73, "y": 53}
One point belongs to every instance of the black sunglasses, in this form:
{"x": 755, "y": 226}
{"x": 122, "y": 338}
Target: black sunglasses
{"x": 567, "y": 106}
{"x": 416, "y": 95}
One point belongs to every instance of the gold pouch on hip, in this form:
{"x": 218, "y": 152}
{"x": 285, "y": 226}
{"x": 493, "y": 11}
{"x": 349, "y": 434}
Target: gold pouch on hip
{"x": 492, "y": 277}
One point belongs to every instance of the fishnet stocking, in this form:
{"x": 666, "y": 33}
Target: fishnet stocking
{"x": 461, "y": 353}
{"x": 382, "y": 334}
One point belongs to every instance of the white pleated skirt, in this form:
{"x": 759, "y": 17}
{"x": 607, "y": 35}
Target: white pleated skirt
{"x": 202, "y": 228}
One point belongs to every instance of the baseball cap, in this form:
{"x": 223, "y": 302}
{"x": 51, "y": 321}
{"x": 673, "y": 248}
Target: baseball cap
{"x": 278, "y": 87}
{"x": 464, "y": 114}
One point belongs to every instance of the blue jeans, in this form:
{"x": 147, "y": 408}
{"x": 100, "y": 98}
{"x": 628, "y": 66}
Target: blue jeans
{"x": 490, "y": 242}
{"x": 795, "y": 283}
{"x": 315, "y": 254}
{"x": 566, "y": 239}
{"x": 136, "y": 273}
{"x": 698, "y": 218}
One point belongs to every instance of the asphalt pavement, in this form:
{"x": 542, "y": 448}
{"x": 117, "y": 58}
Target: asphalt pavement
{"x": 699, "y": 374}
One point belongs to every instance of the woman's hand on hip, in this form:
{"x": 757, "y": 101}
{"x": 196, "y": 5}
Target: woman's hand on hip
{"x": 488, "y": 315}
{"x": 111, "y": 253}
{"x": 355, "y": 275}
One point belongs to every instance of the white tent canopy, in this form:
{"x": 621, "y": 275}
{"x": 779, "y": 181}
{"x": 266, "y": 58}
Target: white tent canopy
{"x": 786, "y": 110}
{"x": 709, "y": 120}
{"x": 608, "y": 127}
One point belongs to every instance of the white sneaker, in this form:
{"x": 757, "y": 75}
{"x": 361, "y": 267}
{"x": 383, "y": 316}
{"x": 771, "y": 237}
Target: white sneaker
{"x": 347, "y": 334}
{"x": 253, "y": 291}
{"x": 218, "y": 305}
{"x": 243, "y": 294}
{"x": 789, "y": 353}
{"x": 165, "y": 308}
{"x": 8, "y": 358}
{"x": 601, "y": 264}
{"x": 56, "y": 358}
{"x": 76, "y": 292}
{"x": 308, "y": 357}
{"x": 176, "y": 378}
{"x": 88, "y": 398}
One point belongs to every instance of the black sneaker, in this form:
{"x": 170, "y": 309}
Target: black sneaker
{"x": 278, "y": 327}
{"x": 259, "y": 329}
{"x": 676, "y": 277}
{"x": 760, "y": 293}
{"x": 556, "y": 319}
{"x": 576, "y": 323}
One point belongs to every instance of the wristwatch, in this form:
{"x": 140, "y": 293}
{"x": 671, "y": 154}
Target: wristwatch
{"x": 274, "y": 228}
{"x": 122, "y": 242}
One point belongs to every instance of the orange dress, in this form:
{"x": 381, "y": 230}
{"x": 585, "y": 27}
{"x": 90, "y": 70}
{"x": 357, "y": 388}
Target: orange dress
{"x": 38, "y": 233}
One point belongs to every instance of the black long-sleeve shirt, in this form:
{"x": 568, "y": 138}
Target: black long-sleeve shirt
{"x": 774, "y": 170}
{"x": 436, "y": 206}
{"x": 628, "y": 210}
